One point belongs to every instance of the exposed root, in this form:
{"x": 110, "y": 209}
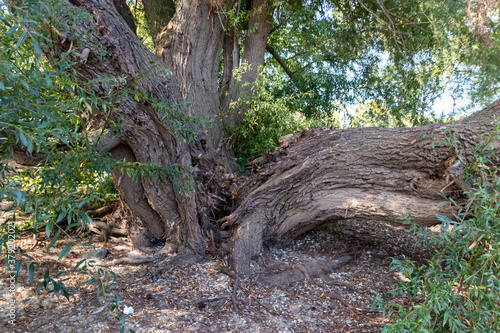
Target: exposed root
{"x": 104, "y": 230}
{"x": 300, "y": 272}
{"x": 236, "y": 278}
{"x": 233, "y": 296}
{"x": 133, "y": 261}
{"x": 103, "y": 210}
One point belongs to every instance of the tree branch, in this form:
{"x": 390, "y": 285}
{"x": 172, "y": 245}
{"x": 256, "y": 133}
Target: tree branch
{"x": 280, "y": 61}
{"x": 124, "y": 11}
{"x": 158, "y": 14}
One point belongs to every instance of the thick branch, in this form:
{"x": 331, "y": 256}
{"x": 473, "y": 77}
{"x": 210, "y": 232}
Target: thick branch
{"x": 124, "y": 11}
{"x": 321, "y": 176}
{"x": 280, "y": 61}
{"x": 191, "y": 44}
{"x": 254, "y": 50}
{"x": 158, "y": 14}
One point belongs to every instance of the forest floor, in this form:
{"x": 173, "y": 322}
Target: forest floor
{"x": 199, "y": 298}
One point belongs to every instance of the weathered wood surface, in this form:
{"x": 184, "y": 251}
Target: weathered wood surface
{"x": 320, "y": 176}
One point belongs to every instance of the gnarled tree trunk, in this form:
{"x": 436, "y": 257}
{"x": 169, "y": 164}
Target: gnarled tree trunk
{"x": 161, "y": 211}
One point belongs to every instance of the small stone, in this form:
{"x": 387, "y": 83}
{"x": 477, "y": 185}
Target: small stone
{"x": 96, "y": 254}
{"x": 294, "y": 308}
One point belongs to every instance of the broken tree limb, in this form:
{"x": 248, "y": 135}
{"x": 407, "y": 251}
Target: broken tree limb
{"x": 321, "y": 176}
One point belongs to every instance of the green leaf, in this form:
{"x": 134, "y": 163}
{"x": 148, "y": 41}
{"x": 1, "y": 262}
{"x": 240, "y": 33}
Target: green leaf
{"x": 27, "y": 256}
{"x": 37, "y": 50}
{"x": 72, "y": 225}
{"x": 65, "y": 250}
{"x": 21, "y": 39}
{"x": 18, "y": 196}
{"x": 61, "y": 216}
{"x": 17, "y": 269}
{"x": 99, "y": 310}
{"x": 54, "y": 239}
{"x": 78, "y": 265}
{"x": 48, "y": 228}
{"x": 86, "y": 218}
{"x": 28, "y": 21}
{"x": 12, "y": 29}
{"x": 21, "y": 137}
{"x": 59, "y": 274}
{"x": 31, "y": 273}
{"x": 90, "y": 281}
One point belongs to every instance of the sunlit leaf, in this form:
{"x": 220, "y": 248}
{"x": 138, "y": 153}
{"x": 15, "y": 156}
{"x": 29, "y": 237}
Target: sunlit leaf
{"x": 54, "y": 239}
{"x": 65, "y": 250}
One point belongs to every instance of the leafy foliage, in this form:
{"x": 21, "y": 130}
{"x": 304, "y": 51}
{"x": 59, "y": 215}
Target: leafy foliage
{"x": 137, "y": 9}
{"x": 371, "y": 114}
{"x": 40, "y": 114}
{"x": 269, "y": 117}
{"x": 404, "y": 55}
{"x": 391, "y": 61}
{"x": 458, "y": 290}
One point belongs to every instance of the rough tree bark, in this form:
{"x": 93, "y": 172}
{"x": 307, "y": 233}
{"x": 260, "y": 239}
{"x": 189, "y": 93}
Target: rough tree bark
{"x": 314, "y": 177}
{"x": 190, "y": 45}
{"x": 159, "y": 210}
{"x": 322, "y": 176}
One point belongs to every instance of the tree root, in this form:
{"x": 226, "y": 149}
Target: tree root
{"x": 299, "y": 272}
{"x": 133, "y": 261}
{"x": 234, "y": 299}
{"x": 103, "y": 210}
{"x": 236, "y": 278}
{"x": 104, "y": 230}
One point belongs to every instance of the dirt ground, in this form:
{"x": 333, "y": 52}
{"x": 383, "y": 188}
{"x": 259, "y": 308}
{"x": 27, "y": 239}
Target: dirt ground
{"x": 199, "y": 298}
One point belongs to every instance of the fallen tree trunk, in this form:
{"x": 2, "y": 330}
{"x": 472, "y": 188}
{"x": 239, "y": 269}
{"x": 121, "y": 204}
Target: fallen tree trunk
{"x": 321, "y": 176}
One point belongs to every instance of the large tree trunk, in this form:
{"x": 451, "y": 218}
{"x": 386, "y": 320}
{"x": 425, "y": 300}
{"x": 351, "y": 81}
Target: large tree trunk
{"x": 161, "y": 211}
{"x": 191, "y": 45}
{"x": 322, "y": 176}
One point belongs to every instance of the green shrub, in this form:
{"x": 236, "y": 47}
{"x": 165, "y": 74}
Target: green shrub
{"x": 458, "y": 290}
{"x": 269, "y": 117}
